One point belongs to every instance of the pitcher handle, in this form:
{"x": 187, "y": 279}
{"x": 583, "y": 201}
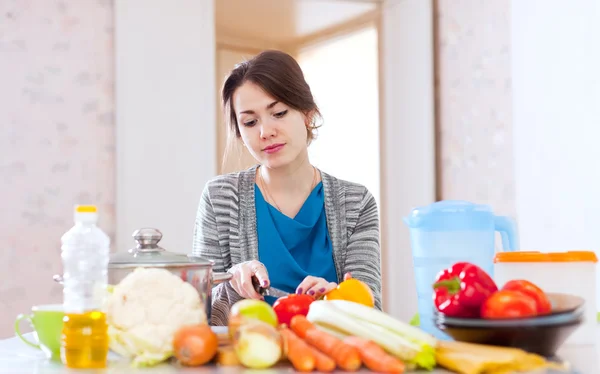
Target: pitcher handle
{"x": 507, "y": 227}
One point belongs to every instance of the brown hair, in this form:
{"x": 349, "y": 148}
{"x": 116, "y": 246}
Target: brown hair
{"x": 280, "y": 76}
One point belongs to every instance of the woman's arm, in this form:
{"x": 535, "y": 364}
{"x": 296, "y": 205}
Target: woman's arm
{"x": 206, "y": 245}
{"x": 206, "y": 234}
{"x": 363, "y": 253}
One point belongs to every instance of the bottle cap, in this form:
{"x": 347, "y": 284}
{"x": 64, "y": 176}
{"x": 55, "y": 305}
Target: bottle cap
{"x": 86, "y": 214}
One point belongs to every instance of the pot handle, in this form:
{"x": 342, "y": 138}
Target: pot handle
{"x": 221, "y": 278}
{"x": 58, "y": 279}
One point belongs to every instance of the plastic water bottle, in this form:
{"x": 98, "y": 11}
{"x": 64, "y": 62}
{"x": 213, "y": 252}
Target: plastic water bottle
{"x": 85, "y": 255}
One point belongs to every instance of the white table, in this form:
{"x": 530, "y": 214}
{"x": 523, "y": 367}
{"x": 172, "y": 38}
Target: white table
{"x": 17, "y": 357}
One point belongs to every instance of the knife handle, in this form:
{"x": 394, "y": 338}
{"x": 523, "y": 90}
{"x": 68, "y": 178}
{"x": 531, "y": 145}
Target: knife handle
{"x": 260, "y": 290}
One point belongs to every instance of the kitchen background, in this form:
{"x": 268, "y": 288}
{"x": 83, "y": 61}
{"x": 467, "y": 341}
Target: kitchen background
{"x": 114, "y": 102}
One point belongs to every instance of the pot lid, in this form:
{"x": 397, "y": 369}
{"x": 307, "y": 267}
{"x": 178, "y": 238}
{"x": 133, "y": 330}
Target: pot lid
{"x": 147, "y": 252}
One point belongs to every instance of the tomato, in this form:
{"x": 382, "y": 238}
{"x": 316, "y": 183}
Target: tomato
{"x": 508, "y": 304}
{"x": 288, "y": 306}
{"x": 543, "y": 303}
{"x": 352, "y": 290}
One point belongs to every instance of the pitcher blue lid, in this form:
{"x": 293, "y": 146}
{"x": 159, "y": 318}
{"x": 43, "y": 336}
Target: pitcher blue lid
{"x": 451, "y": 215}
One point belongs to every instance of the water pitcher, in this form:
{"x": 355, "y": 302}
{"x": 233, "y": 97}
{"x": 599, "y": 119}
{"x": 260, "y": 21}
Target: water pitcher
{"x": 450, "y": 231}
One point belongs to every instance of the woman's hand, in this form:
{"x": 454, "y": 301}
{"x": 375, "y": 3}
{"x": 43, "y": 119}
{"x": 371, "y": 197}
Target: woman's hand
{"x": 315, "y": 286}
{"x": 242, "y": 278}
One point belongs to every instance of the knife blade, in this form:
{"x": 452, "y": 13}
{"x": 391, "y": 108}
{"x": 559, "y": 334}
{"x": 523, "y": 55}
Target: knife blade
{"x": 275, "y": 292}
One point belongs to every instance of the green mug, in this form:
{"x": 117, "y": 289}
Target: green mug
{"x": 47, "y": 322}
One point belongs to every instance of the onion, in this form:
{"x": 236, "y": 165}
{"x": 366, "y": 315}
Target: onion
{"x": 257, "y": 344}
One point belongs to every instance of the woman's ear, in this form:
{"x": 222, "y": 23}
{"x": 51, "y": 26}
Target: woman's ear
{"x": 309, "y": 119}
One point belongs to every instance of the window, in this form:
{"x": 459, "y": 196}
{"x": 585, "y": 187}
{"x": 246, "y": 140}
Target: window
{"x": 343, "y": 76}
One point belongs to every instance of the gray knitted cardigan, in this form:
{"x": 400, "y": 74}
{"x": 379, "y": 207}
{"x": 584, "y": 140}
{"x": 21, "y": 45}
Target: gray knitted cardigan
{"x": 225, "y": 232}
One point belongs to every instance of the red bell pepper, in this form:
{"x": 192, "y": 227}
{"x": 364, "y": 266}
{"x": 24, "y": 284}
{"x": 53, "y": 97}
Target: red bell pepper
{"x": 288, "y": 306}
{"x": 461, "y": 289}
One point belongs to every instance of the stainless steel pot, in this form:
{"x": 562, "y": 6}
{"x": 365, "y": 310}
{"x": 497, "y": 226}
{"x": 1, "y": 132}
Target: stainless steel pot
{"x": 148, "y": 254}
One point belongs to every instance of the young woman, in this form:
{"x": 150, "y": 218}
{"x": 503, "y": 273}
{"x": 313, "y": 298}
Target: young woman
{"x": 282, "y": 222}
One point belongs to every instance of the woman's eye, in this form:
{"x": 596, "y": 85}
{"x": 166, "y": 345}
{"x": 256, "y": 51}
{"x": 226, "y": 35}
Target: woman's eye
{"x": 280, "y": 114}
{"x": 250, "y": 123}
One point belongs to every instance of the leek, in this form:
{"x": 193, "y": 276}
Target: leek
{"x": 410, "y": 344}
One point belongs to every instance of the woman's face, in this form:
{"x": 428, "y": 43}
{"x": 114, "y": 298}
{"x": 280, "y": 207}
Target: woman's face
{"x": 274, "y": 133}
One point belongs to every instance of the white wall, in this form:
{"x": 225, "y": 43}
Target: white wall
{"x": 56, "y": 140}
{"x": 556, "y": 124}
{"x": 160, "y": 179}
{"x": 408, "y": 170}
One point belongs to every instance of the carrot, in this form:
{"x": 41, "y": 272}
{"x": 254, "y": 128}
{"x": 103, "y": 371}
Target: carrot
{"x": 374, "y": 357}
{"x": 323, "y": 363}
{"x": 345, "y": 356}
{"x": 297, "y": 351}
{"x": 301, "y": 325}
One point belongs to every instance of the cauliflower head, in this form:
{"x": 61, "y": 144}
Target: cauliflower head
{"x": 145, "y": 310}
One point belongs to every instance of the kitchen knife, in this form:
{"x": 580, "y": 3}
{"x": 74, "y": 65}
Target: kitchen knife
{"x": 268, "y": 291}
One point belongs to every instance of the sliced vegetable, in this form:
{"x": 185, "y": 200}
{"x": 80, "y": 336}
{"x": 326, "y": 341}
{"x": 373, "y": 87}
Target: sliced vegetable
{"x": 410, "y": 344}
{"x": 508, "y": 304}
{"x": 543, "y": 304}
{"x": 297, "y": 351}
{"x": 374, "y": 357}
{"x": 461, "y": 289}
{"x": 352, "y": 289}
{"x": 344, "y": 355}
{"x": 195, "y": 345}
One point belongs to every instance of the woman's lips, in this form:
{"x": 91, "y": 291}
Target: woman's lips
{"x": 274, "y": 148}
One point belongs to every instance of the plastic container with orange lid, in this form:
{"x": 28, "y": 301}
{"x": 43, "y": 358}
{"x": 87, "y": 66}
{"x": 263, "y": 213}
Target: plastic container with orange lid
{"x": 572, "y": 272}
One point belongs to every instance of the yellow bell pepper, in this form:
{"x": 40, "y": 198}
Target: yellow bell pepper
{"x": 352, "y": 290}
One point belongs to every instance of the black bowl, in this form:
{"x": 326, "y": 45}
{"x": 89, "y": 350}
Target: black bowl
{"x": 542, "y": 335}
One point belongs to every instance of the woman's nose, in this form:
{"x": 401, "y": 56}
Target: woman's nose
{"x": 267, "y": 131}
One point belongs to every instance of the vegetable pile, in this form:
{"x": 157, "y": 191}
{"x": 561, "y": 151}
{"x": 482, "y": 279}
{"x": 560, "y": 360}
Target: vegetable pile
{"x": 154, "y": 315}
{"x": 464, "y": 290}
{"x": 340, "y": 332}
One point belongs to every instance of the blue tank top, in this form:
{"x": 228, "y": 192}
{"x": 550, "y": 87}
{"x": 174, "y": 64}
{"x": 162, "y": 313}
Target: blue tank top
{"x": 294, "y": 248}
